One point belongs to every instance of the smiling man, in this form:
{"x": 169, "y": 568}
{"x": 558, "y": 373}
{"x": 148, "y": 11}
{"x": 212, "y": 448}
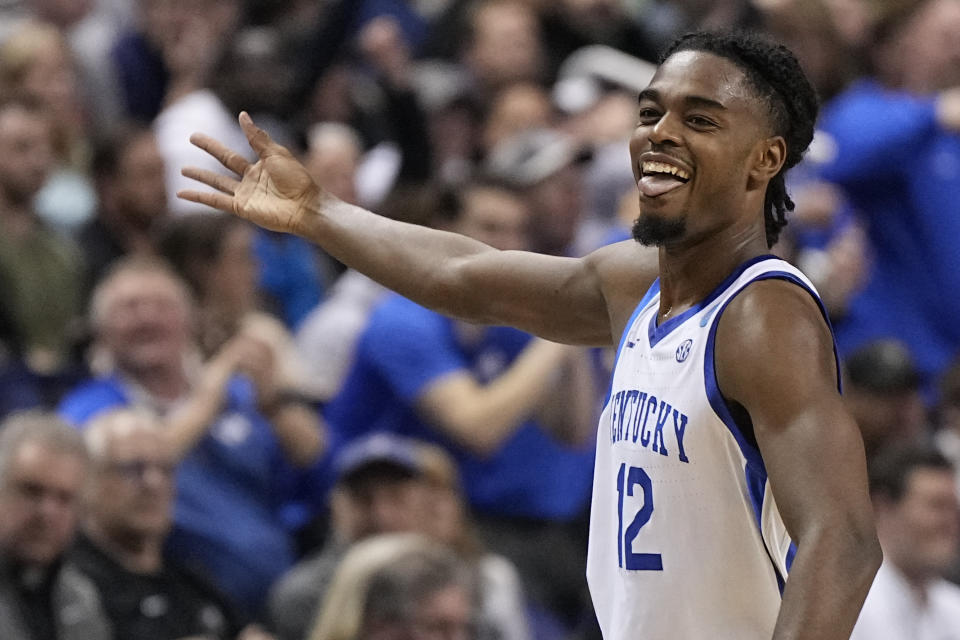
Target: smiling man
{"x": 726, "y": 461}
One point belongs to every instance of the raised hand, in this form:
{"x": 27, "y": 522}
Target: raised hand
{"x": 275, "y": 192}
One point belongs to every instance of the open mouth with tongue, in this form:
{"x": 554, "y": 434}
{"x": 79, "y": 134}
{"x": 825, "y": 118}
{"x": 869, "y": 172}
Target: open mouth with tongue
{"x": 658, "y": 178}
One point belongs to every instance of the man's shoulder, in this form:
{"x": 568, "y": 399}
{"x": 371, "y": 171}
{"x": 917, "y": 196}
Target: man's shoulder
{"x": 395, "y": 313}
{"x": 92, "y": 397}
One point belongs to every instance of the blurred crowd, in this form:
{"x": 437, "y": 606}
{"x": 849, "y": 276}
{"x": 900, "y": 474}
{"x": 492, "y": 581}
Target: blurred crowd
{"x": 216, "y": 431}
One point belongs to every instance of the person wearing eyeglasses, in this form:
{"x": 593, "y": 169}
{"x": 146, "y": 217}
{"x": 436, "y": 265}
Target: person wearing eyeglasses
{"x": 43, "y": 596}
{"x": 128, "y": 513}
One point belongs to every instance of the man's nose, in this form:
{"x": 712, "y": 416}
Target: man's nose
{"x": 666, "y": 130}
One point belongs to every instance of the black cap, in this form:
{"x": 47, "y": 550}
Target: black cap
{"x": 883, "y": 366}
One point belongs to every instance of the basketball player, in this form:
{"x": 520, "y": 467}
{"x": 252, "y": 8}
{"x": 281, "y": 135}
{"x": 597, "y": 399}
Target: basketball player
{"x": 725, "y": 458}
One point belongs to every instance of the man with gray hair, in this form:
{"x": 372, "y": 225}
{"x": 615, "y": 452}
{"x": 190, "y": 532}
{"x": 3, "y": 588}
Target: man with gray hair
{"x": 128, "y": 514}
{"x": 43, "y": 465}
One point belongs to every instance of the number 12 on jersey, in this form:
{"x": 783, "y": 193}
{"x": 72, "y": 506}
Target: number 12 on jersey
{"x": 627, "y": 479}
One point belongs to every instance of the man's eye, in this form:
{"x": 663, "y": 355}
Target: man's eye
{"x": 700, "y": 121}
{"x": 647, "y": 115}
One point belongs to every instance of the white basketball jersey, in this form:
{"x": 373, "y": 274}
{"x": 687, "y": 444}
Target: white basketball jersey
{"x": 686, "y": 542}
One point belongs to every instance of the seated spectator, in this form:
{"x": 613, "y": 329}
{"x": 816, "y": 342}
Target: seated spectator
{"x": 918, "y": 522}
{"x": 378, "y": 490}
{"x": 36, "y": 65}
{"x": 128, "y": 172}
{"x": 43, "y": 465}
{"x": 127, "y": 516}
{"x": 243, "y": 445}
{"x": 546, "y": 166}
{"x": 329, "y": 334}
{"x": 516, "y": 413}
{"x": 947, "y": 437}
{"x": 173, "y": 42}
{"x": 40, "y": 271}
{"x": 398, "y": 586}
{"x": 213, "y": 253}
{"x": 881, "y": 388}
{"x": 502, "y": 604}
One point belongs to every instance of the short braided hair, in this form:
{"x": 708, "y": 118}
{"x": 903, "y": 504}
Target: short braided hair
{"x": 778, "y": 80}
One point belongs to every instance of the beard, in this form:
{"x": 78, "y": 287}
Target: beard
{"x": 653, "y": 231}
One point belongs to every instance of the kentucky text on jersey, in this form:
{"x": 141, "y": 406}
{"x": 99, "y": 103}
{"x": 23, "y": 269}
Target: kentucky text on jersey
{"x": 638, "y": 416}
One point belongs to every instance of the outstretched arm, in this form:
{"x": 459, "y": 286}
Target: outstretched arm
{"x": 775, "y": 358}
{"x": 580, "y": 301}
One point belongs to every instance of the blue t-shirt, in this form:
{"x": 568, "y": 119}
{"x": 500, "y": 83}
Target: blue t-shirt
{"x": 289, "y": 273}
{"x": 901, "y": 172}
{"x": 230, "y": 491}
{"x": 404, "y": 349}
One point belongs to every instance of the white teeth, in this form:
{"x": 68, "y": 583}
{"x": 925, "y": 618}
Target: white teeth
{"x": 662, "y": 167}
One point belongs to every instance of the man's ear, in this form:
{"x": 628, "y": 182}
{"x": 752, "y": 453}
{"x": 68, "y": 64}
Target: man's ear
{"x": 771, "y": 153}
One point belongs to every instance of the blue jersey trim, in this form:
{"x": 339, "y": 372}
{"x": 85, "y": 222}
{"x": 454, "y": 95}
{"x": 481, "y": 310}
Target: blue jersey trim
{"x": 656, "y": 332}
{"x": 644, "y": 302}
{"x": 791, "y": 553}
{"x": 755, "y": 471}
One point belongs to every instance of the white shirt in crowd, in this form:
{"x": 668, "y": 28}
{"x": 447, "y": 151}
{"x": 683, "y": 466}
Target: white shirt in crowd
{"x": 894, "y": 610}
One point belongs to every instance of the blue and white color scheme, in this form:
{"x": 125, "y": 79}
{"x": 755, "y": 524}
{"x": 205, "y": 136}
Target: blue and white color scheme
{"x": 685, "y": 538}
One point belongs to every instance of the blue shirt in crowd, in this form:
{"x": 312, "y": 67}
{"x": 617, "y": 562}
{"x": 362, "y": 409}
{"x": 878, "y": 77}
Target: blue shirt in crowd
{"x": 230, "y": 491}
{"x": 404, "y": 350}
{"x": 901, "y": 172}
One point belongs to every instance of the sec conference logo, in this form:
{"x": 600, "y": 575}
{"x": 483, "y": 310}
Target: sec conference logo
{"x": 684, "y": 350}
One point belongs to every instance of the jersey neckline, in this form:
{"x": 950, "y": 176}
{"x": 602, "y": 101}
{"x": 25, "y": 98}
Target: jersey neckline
{"x": 657, "y": 332}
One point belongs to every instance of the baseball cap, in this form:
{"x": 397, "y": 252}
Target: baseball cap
{"x": 883, "y": 366}
{"x": 383, "y": 452}
{"x": 531, "y": 156}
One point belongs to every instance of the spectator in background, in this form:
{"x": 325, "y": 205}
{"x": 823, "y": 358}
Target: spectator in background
{"x": 547, "y": 167}
{"x": 378, "y": 490}
{"x": 214, "y": 254}
{"x": 515, "y": 109}
{"x": 91, "y": 28}
{"x": 881, "y": 388}
{"x": 208, "y": 95}
{"x": 40, "y": 271}
{"x": 174, "y": 43}
{"x": 242, "y": 445}
{"x": 502, "y": 45}
{"x": 129, "y": 173}
{"x": 36, "y": 66}
{"x": 512, "y": 410}
{"x": 909, "y": 110}
{"x": 918, "y": 522}
{"x": 398, "y": 586}
{"x": 333, "y": 157}
{"x": 127, "y": 517}
{"x": 502, "y": 604}
{"x": 947, "y": 437}
{"x": 569, "y": 25}
{"x": 43, "y": 465}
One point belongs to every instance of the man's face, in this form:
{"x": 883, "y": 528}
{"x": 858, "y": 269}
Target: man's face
{"x": 556, "y": 206}
{"x": 379, "y": 505}
{"x": 139, "y": 187}
{"x": 232, "y": 277}
{"x": 132, "y": 488}
{"x": 146, "y": 321}
{"x": 495, "y": 217}
{"x": 699, "y": 119}
{"x": 921, "y": 531}
{"x": 38, "y": 503}
{"x": 335, "y": 167}
{"x": 26, "y": 154}
{"x": 506, "y": 45}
